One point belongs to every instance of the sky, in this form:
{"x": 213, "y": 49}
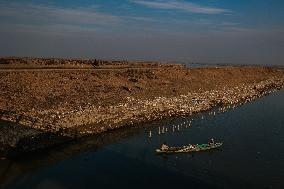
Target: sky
{"x": 206, "y": 31}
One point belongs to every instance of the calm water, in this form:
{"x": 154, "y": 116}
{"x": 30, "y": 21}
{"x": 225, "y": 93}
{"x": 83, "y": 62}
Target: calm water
{"x": 251, "y": 157}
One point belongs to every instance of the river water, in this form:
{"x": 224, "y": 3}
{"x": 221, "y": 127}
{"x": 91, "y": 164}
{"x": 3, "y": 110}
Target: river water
{"x": 251, "y": 156}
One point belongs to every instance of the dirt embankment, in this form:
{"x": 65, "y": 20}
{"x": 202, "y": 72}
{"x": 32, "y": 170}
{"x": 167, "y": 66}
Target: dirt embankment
{"x": 72, "y": 103}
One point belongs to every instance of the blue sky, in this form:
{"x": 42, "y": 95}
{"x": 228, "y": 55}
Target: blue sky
{"x": 217, "y": 31}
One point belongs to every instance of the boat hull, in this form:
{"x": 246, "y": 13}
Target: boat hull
{"x": 186, "y": 149}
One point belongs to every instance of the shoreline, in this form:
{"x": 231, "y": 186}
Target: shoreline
{"x": 45, "y": 123}
{"x": 132, "y": 113}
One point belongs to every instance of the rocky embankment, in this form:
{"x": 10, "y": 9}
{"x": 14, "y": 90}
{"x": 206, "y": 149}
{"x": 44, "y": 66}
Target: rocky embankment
{"x": 42, "y": 108}
{"x": 137, "y": 111}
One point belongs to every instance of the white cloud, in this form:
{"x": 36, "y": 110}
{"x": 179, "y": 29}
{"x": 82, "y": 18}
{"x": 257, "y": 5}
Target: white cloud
{"x": 181, "y": 5}
{"x": 49, "y": 15}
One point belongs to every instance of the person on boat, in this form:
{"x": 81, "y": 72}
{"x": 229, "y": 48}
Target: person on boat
{"x": 164, "y": 146}
{"x": 211, "y": 142}
{"x": 191, "y": 147}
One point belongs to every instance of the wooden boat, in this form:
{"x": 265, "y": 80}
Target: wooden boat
{"x": 189, "y": 148}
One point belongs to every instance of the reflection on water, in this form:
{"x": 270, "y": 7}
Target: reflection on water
{"x": 251, "y": 156}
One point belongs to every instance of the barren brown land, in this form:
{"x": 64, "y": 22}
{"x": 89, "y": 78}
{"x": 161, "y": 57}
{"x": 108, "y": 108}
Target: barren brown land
{"x": 48, "y": 101}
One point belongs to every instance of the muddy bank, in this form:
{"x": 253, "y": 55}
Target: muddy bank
{"x": 48, "y": 107}
{"x": 16, "y": 139}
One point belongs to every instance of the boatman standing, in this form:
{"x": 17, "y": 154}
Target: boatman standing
{"x": 211, "y": 142}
